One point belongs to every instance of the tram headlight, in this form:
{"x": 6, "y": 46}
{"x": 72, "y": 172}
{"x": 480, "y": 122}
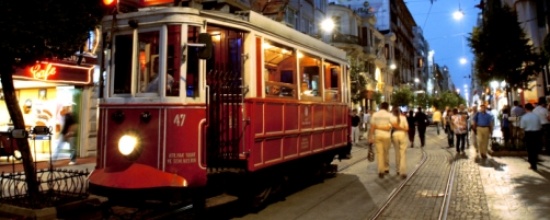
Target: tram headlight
{"x": 127, "y": 144}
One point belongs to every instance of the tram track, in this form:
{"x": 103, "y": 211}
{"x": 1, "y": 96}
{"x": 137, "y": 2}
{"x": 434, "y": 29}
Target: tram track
{"x": 443, "y": 210}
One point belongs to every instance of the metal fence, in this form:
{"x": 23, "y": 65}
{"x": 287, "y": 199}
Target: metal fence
{"x": 56, "y": 187}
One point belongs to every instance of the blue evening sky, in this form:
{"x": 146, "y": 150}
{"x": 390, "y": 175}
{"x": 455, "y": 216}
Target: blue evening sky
{"x": 446, "y": 36}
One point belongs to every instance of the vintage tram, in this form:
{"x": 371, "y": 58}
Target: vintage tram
{"x": 198, "y": 104}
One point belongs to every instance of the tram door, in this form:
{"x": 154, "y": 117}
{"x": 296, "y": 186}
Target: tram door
{"x": 225, "y": 99}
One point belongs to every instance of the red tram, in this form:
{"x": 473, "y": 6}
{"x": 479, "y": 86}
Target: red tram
{"x": 204, "y": 103}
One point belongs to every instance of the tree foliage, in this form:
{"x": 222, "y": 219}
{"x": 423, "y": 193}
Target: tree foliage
{"x": 358, "y": 80}
{"x": 448, "y": 98}
{"x": 39, "y": 30}
{"x": 501, "y": 49}
{"x": 423, "y": 100}
{"x": 402, "y": 97}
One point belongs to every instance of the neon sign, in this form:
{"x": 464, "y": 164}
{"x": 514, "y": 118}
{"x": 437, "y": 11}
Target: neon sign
{"x": 57, "y": 72}
{"x": 42, "y": 73}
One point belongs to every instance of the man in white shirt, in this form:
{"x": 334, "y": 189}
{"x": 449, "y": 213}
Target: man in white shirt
{"x": 380, "y": 135}
{"x": 542, "y": 112}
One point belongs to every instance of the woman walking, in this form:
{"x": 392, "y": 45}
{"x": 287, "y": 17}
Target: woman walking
{"x": 400, "y": 128}
{"x": 460, "y": 127}
{"x": 448, "y": 130}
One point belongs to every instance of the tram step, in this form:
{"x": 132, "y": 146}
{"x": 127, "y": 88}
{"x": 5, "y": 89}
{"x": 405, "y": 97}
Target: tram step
{"x": 219, "y": 200}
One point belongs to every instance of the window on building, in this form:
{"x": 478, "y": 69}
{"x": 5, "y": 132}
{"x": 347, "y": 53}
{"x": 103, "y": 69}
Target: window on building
{"x": 279, "y": 70}
{"x": 291, "y": 18}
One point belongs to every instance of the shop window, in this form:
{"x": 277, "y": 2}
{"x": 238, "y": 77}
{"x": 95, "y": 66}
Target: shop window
{"x": 149, "y": 63}
{"x": 310, "y": 69}
{"x": 279, "y": 70}
{"x": 122, "y": 64}
{"x": 333, "y": 83}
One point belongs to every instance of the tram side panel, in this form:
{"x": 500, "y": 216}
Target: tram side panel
{"x": 283, "y": 131}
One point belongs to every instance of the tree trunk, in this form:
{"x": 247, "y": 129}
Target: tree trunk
{"x": 18, "y": 123}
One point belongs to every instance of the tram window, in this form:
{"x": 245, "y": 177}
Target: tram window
{"x": 173, "y": 59}
{"x": 311, "y": 81}
{"x": 148, "y": 61}
{"x": 332, "y": 81}
{"x": 279, "y": 70}
{"x": 192, "y": 63}
{"x": 123, "y": 64}
{"x": 192, "y": 79}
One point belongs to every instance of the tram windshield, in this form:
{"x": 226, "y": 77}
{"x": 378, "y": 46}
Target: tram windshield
{"x": 145, "y": 68}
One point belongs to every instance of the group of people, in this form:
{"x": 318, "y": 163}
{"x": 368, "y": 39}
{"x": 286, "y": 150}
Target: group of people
{"x": 387, "y": 127}
{"x": 533, "y": 122}
{"x": 473, "y": 125}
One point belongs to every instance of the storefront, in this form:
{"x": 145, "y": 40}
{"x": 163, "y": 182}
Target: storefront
{"x": 43, "y": 89}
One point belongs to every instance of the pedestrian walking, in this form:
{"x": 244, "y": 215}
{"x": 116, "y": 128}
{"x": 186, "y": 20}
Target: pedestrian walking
{"x": 380, "y": 135}
{"x": 483, "y": 124}
{"x": 412, "y": 129}
{"x": 448, "y": 130}
{"x": 542, "y": 112}
{"x": 463, "y": 111}
{"x": 505, "y": 124}
{"x": 436, "y": 118}
{"x": 459, "y": 127}
{"x": 400, "y": 128}
{"x": 516, "y": 113}
{"x": 68, "y": 133}
{"x": 355, "y": 132}
{"x": 366, "y": 120}
{"x": 421, "y": 124}
{"x": 530, "y": 123}
{"x": 473, "y": 134}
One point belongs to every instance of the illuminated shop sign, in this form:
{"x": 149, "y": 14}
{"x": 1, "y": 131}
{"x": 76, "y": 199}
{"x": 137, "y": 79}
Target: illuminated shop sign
{"x": 155, "y": 2}
{"x": 57, "y": 73}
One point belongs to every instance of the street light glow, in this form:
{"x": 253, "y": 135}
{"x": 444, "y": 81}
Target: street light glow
{"x": 327, "y": 25}
{"x": 458, "y": 15}
{"x": 463, "y": 60}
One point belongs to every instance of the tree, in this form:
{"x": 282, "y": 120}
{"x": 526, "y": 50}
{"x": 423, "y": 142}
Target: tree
{"x": 402, "y": 97}
{"x": 501, "y": 49}
{"x": 39, "y": 30}
{"x": 358, "y": 80}
{"x": 423, "y": 100}
{"x": 448, "y": 98}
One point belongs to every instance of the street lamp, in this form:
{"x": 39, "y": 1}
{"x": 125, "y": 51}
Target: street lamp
{"x": 327, "y": 25}
{"x": 459, "y": 14}
{"x": 393, "y": 66}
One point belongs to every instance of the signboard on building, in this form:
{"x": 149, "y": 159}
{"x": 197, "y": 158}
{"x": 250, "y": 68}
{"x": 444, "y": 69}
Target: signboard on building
{"x": 57, "y": 72}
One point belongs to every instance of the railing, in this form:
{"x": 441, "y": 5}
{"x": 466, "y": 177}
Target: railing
{"x": 345, "y": 38}
{"x": 56, "y": 187}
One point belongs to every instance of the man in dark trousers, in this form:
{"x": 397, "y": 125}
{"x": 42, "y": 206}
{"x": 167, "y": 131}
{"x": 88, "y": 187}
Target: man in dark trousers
{"x": 421, "y": 123}
{"x": 530, "y": 123}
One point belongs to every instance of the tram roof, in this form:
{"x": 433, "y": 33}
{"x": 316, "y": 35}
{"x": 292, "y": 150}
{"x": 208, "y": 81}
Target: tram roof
{"x": 249, "y": 19}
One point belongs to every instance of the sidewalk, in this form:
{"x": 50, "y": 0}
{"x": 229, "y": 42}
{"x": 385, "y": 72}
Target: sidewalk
{"x": 495, "y": 188}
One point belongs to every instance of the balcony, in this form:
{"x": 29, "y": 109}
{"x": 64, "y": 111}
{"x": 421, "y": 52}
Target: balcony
{"x": 345, "y": 39}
